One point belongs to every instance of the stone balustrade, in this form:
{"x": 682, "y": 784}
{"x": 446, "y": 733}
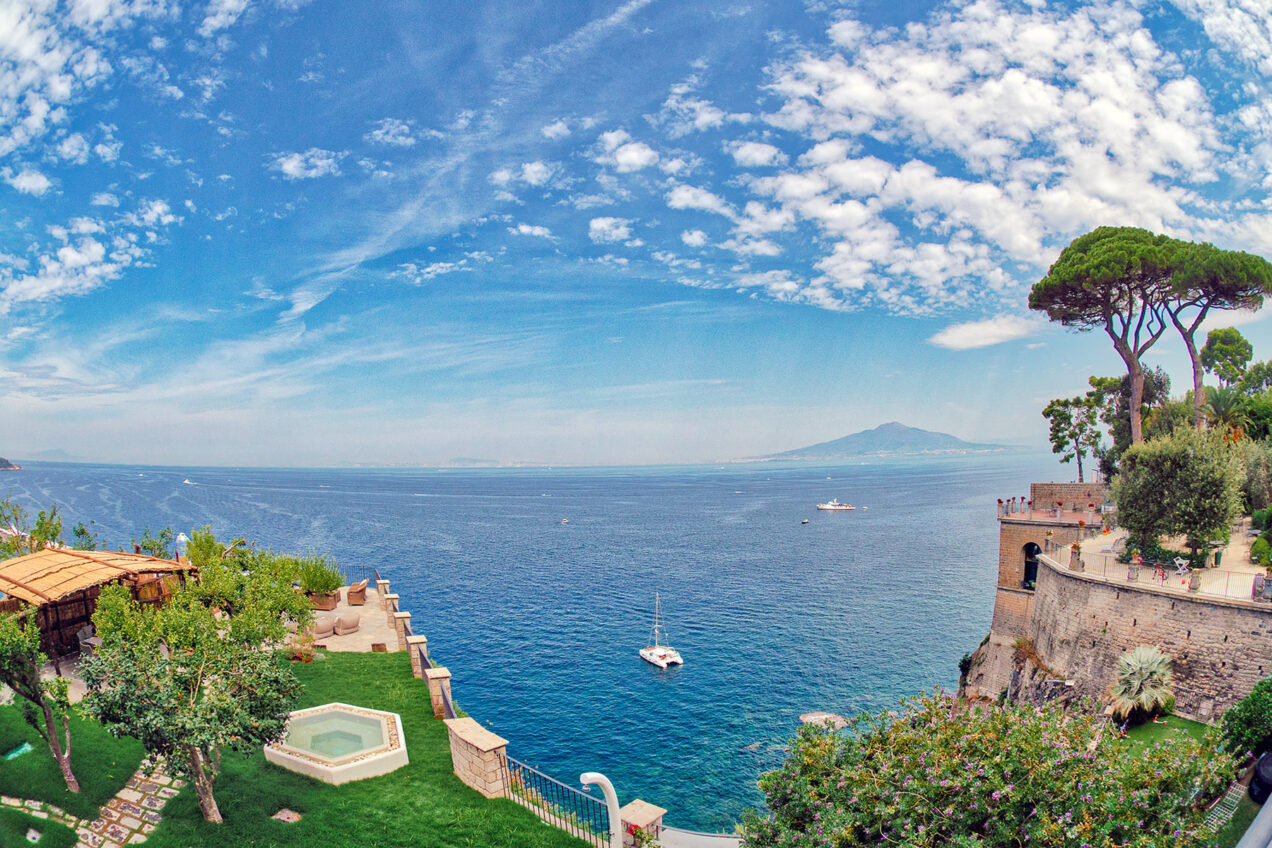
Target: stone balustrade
{"x": 438, "y": 689}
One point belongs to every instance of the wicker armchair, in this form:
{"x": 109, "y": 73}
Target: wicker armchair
{"x": 357, "y": 594}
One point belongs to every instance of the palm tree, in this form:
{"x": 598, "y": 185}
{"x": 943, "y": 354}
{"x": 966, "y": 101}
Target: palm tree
{"x": 1225, "y": 408}
{"x": 1143, "y": 683}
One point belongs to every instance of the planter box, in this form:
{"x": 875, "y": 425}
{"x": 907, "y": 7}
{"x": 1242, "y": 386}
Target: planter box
{"x": 324, "y": 602}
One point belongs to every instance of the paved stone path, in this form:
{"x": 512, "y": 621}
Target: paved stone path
{"x": 127, "y": 819}
{"x": 133, "y": 813}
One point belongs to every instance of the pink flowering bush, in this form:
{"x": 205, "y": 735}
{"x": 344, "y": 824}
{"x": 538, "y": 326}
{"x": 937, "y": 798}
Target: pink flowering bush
{"x": 939, "y": 775}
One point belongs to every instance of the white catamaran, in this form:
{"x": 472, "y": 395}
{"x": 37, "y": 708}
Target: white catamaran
{"x": 657, "y": 653}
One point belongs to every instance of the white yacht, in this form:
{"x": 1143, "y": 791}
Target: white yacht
{"x": 834, "y": 505}
{"x": 657, "y": 653}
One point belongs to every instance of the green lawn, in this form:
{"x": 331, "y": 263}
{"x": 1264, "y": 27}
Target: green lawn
{"x": 422, "y": 805}
{"x": 14, "y": 826}
{"x": 101, "y": 762}
{"x": 1169, "y": 727}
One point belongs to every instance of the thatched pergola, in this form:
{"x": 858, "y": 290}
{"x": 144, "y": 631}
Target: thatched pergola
{"x": 58, "y": 588}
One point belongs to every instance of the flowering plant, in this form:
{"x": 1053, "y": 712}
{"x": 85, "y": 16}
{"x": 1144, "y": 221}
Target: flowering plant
{"x": 941, "y": 774}
{"x": 641, "y": 838}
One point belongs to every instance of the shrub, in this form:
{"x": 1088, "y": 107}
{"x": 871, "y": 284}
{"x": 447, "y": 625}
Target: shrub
{"x": 319, "y": 575}
{"x": 943, "y": 775}
{"x": 1259, "y": 519}
{"x": 1247, "y": 725}
{"x": 1261, "y": 551}
{"x": 1143, "y": 685}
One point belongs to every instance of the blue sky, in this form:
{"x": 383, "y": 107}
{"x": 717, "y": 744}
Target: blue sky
{"x": 316, "y": 233}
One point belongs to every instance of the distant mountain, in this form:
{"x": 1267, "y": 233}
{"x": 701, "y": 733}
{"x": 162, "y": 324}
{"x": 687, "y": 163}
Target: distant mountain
{"x": 55, "y": 455}
{"x": 6, "y": 465}
{"x": 891, "y": 439}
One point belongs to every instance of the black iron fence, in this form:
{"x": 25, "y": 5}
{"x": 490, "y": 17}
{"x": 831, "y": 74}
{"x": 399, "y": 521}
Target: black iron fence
{"x": 575, "y": 812}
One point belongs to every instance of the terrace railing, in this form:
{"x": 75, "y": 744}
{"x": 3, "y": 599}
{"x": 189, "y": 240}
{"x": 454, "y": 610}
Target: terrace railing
{"x": 1214, "y": 582}
{"x": 559, "y": 805}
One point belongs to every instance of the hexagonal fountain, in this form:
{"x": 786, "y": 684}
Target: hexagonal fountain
{"x": 337, "y": 743}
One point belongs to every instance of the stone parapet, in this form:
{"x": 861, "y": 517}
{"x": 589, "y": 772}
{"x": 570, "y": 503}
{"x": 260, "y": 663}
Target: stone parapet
{"x": 643, "y": 815}
{"x": 417, "y": 645}
{"x": 402, "y": 625}
{"x": 390, "y": 607}
{"x": 439, "y": 688}
{"x": 477, "y": 756}
{"x": 382, "y": 592}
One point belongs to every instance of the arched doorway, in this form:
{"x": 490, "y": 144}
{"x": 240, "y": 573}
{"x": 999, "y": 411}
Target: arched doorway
{"x": 1031, "y": 565}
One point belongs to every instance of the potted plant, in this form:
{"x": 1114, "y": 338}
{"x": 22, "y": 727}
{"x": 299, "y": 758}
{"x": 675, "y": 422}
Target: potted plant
{"x": 321, "y": 580}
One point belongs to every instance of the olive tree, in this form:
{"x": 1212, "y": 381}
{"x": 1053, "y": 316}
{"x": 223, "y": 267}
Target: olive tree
{"x": 1187, "y": 483}
{"x": 199, "y": 674}
{"x": 45, "y": 703}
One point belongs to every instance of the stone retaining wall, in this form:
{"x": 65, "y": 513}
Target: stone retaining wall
{"x": 1221, "y": 648}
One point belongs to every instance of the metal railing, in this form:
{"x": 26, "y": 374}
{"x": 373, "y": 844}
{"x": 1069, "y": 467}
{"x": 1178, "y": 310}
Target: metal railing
{"x": 575, "y": 812}
{"x": 1214, "y": 582}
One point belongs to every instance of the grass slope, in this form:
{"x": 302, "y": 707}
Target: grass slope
{"x": 101, "y": 762}
{"x": 422, "y": 805}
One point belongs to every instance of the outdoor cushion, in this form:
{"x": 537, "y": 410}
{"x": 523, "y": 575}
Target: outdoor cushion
{"x": 346, "y": 623}
{"x": 324, "y": 625}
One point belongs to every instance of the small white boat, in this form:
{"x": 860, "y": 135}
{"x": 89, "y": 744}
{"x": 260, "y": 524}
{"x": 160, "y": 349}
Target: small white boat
{"x": 657, "y": 653}
{"x": 835, "y": 506}
{"x": 187, "y": 482}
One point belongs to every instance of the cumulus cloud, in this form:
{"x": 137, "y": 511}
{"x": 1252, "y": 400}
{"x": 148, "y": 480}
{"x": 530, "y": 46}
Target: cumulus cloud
{"x": 693, "y": 197}
{"x": 86, "y": 254}
{"x": 556, "y": 129}
{"x": 624, "y": 155}
{"x": 105, "y": 198}
{"x": 392, "y": 132}
{"x": 755, "y": 154}
{"x": 990, "y": 331}
{"x": 314, "y": 162}
{"x": 524, "y": 229}
{"x": 73, "y": 148}
{"x": 606, "y": 230}
{"x": 27, "y": 181}
{"x": 694, "y": 238}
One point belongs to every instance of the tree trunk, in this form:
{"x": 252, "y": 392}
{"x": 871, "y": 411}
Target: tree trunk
{"x": 1198, "y": 373}
{"x": 1136, "y": 372}
{"x": 1077, "y": 453}
{"x": 203, "y": 786}
{"x": 63, "y": 757}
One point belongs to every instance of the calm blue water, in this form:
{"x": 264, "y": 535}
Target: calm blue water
{"x": 540, "y": 622}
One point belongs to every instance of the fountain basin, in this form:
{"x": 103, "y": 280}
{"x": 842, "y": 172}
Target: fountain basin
{"x": 337, "y": 743}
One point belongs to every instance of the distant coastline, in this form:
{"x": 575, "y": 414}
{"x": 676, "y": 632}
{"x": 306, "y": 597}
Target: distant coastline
{"x": 6, "y": 465}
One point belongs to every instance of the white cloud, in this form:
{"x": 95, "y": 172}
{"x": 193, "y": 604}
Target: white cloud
{"x": 314, "y": 162}
{"x": 524, "y": 229}
{"x": 27, "y": 181}
{"x": 73, "y": 148}
{"x": 692, "y": 197}
{"x": 536, "y": 173}
{"x": 418, "y": 274}
{"x": 755, "y": 154}
{"x": 694, "y": 238}
{"x": 391, "y": 132}
{"x": 105, "y": 198}
{"x": 555, "y": 130}
{"x": 623, "y": 154}
{"x": 221, "y": 14}
{"x": 683, "y": 113}
{"x": 991, "y": 331}
{"x": 606, "y": 230}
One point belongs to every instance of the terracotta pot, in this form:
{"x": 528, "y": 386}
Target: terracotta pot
{"x": 324, "y": 602}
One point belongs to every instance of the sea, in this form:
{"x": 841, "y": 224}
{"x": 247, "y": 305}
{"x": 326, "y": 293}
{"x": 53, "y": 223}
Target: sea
{"x": 536, "y": 588}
